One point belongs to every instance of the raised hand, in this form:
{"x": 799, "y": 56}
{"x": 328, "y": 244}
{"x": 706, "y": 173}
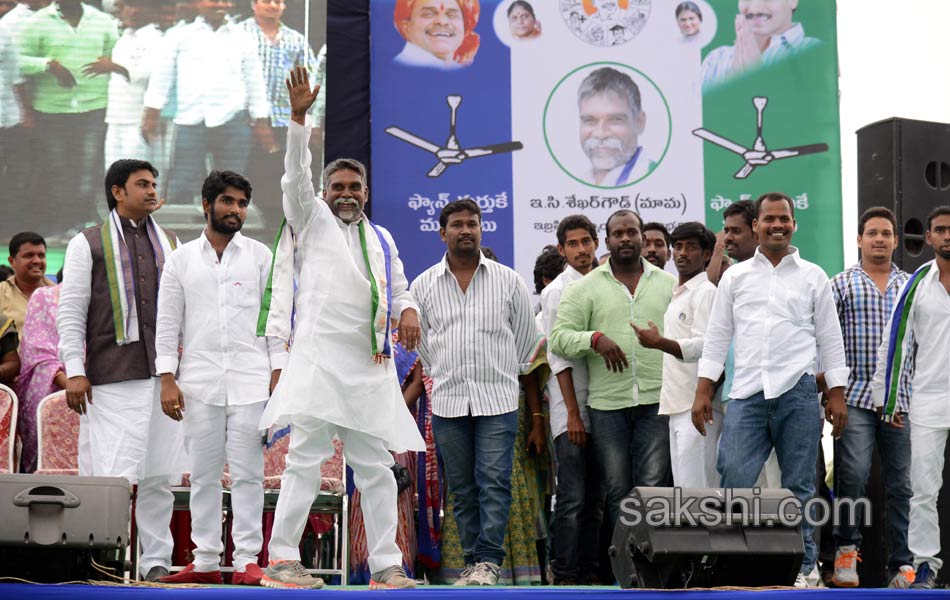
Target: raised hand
{"x": 302, "y": 96}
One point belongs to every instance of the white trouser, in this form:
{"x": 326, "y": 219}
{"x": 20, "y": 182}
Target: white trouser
{"x": 129, "y": 436}
{"x": 693, "y": 455}
{"x": 926, "y": 478}
{"x": 126, "y": 141}
{"x": 215, "y": 435}
{"x": 311, "y": 444}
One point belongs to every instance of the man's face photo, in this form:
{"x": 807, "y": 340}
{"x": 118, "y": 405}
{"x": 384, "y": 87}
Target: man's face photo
{"x": 765, "y": 18}
{"x": 609, "y": 129}
{"x": 436, "y": 26}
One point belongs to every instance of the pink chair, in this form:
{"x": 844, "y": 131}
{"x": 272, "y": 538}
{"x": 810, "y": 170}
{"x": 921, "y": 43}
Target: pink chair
{"x": 57, "y": 437}
{"x": 8, "y": 412}
{"x": 331, "y": 501}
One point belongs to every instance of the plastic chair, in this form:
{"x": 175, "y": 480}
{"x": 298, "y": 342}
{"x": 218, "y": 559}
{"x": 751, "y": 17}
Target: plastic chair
{"x": 8, "y": 413}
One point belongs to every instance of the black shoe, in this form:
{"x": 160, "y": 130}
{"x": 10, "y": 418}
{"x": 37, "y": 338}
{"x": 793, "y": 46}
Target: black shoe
{"x": 156, "y": 573}
{"x": 925, "y": 577}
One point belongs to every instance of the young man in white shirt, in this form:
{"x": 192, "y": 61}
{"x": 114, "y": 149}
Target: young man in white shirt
{"x": 693, "y": 456}
{"x": 129, "y": 70}
{"x": 211, "y": 294}
{"x": 578, "y": 511}
{"x": 780, "y": 310}
{"x": 920, "y": 327}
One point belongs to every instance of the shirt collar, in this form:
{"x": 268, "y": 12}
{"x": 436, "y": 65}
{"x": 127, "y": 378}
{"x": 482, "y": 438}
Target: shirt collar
{"x": 794, "y": 257}
{"x": 649, "y": 269}
{"x": 237, "y": 241}
{"x": 792, "y": 38}
{"x": 891, "y": 278}
{"x": 444, "y": 265}
{"x": 200, "y": 21}
{"x": 341, "y": 223}
{"x": 694, "y": 282}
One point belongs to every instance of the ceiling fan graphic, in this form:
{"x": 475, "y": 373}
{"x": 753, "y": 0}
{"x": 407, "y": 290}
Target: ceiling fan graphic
{"x": 759, "y": 155}
{"x": 451, "y": 153}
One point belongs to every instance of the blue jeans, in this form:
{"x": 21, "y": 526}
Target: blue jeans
{"x": 578, "y": 511}
{"x": 633, "y": 449}
{"x": 792, "y": 424}
{"x": 853, "y": 466}
{"x": 478, "y": 453}
{"x": 229, "y": 146}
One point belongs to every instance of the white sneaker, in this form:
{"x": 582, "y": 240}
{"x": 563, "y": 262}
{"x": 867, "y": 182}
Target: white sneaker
{"x": 846, "y": 567}
{"x": 904, "y": 578}
{"x": 486, "y": 573}
{"x": 465, "y": 575}
{"x": 811, "y": 580}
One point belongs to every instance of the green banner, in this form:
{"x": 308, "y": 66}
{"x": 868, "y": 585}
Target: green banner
{"x": 793, "y": 85}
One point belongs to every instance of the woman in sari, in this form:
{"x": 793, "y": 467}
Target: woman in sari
{"x": 41, "y": 373}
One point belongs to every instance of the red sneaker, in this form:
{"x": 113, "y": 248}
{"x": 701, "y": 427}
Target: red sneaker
{"x": 189, "y": 575}
{"x": 251, "y": 575}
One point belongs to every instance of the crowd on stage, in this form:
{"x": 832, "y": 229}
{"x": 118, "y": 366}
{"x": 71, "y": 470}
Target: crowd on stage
{"x": 490, "y": 441}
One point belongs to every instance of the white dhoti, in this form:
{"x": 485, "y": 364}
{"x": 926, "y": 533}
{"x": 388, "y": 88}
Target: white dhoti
{"x": 215, "y": 435}
{"x": 126, "y": 141}
{"x": 129, "y": 436}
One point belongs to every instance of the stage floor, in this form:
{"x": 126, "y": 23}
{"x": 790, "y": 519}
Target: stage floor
{"x": 69, "y": 592}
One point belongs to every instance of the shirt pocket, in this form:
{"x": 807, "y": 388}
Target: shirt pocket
{"x": 246, "y": 294}
{"x": 795, "y": 304}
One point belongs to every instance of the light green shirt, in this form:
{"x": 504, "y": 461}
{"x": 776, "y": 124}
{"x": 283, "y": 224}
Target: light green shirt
{"x": 48, "y": 36}
{"x": 598, "y": 302}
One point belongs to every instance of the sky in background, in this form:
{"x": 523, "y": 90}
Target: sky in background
{"x": 892, "y": 63}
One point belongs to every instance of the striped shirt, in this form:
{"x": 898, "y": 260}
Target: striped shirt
{"x": 278, "y": 57}
{"x": 474, "y": 343}
{"x": 863, "y": 312}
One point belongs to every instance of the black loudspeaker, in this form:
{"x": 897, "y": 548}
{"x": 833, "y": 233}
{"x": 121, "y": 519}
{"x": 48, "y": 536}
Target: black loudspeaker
{"x": 905, "y": 165}
{"x": 668, "y": 538}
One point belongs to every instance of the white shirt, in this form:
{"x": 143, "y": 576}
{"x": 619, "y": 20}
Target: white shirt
{"x": 474, "y": 343}
{"x": 782, "y": 318}
{"x": 414, "y": 56}
{"x": 717, "y": 66}
{"x": 930, "y": 396}
{"x": 685, "y": 322}
{"x": 135, "y": 50}
{"x": 217, "y": 75}
{"x": 550, "y": 299}
{"x": 211, "y": 306}
{"x": 9, "y": 77}
{"x": 402, "y": 299}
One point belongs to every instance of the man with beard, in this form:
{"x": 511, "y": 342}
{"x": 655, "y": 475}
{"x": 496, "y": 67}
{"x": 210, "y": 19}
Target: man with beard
{"x": 920, "y": 328}
{"x": 693, "y": 456}
{"x": 780, "y": 311}
{"x": 631, "y": 439}
{"x": 656, "y": 244}
{"x": 611, "y": 122}
{"x": 211, "y": 294}
{"x": 578, "y": 511}
{"x": 343, "y": 276}
{"x": 477, "y": 331}
{"x": 738, "y": 235}
{"x": 438, "y": 33}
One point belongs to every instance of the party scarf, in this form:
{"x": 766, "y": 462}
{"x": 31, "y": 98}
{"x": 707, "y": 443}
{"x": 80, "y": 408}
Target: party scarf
{"x": 277, "y": 308}
{"x": 119, "y": 272}
{"x": 899, "y": 343}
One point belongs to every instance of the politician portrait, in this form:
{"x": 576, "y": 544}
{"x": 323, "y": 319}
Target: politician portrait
{"x": 439, "y": 33}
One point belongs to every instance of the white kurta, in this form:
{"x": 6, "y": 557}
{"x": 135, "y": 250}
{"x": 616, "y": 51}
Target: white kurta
{"x": 330, "y": 374}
